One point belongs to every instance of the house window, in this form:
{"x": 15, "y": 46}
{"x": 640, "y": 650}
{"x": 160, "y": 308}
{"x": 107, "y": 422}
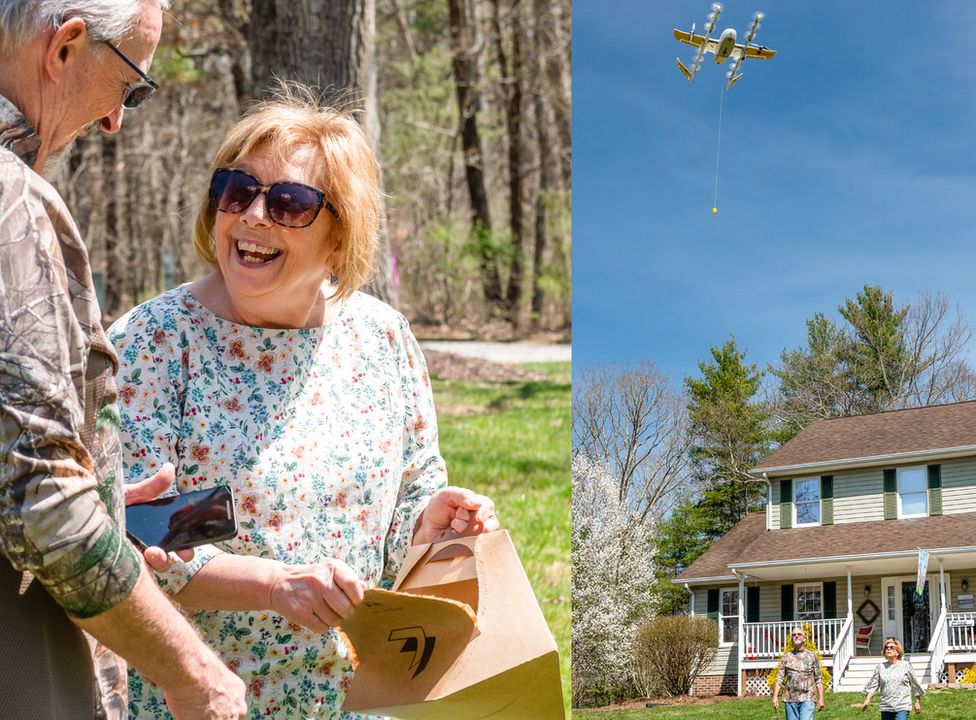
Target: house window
{"x": 728, "y": 619}
{"x": 806, "y": 502}
{"x": 809, "y": 602}
{"x": 912, "y": 492}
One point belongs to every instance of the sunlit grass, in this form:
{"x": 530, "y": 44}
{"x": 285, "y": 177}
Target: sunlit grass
{"x": 936, "y": 705}
{"x": 511, "y": 441}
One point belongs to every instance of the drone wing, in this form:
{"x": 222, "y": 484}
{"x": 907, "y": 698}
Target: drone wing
{"x": 706, "y": 44}
{"x": 748, "y": 51}
{"x": 758, "y": 52}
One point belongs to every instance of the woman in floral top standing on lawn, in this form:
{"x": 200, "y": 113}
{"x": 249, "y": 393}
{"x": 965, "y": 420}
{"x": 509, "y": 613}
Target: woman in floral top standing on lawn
{"x": 895, "y": 681}
{"x": 276, "y": 376}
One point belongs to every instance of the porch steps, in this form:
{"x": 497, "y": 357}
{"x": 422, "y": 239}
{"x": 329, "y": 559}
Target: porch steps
{"x": 860, "y": 670}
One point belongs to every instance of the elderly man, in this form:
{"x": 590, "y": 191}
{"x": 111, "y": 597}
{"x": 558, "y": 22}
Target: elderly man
{"x": 800, "y": 668}
{"x": 63, "y": 66}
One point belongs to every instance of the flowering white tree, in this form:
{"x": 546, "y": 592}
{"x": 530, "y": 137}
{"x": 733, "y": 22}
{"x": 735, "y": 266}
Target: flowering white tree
{"x": 612, "y": 574}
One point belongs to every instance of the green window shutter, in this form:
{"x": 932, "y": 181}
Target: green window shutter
{"x": 935, "y": 489}
{"x": 786, "y": 602}
{"x": 752, "y": 604}
{"x": 827, "y": 500}
{"x": 786, "y": 504}
{"x": 713, "y": 605}
{"x": 890, "y": 495}
{"x": 830, "y": 600}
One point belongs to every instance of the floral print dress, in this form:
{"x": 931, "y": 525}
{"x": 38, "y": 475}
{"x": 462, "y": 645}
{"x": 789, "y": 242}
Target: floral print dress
{"x": 328, "y": 438}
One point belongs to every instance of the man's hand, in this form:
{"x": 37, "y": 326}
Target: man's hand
{"x": 223, "y": 699}
{"x": 776, "y": 702}
{"x": 317, "y": 596}
{"x": 820, "y": 704}
{"x": 150, "y": 489}
{"x": 454, "y": 509}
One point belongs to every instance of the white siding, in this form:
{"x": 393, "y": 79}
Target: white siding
{"x": 959, "y": 486}
{"x": 726, "y": 662}
{"x": 955, "y": 588}
{"x": 859, "y": 496}
{"x": 701, "y": 601}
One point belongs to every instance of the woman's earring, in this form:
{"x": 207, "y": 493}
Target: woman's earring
{"x": 334, "y": 280}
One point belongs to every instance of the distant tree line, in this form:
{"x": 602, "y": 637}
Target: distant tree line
{"x": 468, "y": 102}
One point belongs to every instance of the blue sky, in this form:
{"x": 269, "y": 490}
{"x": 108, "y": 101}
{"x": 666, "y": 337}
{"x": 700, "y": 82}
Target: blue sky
{"x": 849, "y": 158}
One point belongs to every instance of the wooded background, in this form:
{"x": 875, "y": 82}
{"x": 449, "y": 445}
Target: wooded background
{"x": 467, "y": 101}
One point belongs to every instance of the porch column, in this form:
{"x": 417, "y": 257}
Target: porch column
{"x": 742, "y": 633}
{"x": 850, "y": 596}
{"x": 689, "y": 590}
{"x": 942, "y": 593}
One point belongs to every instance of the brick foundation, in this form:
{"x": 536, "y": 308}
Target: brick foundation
{"x": 714, "y": 685}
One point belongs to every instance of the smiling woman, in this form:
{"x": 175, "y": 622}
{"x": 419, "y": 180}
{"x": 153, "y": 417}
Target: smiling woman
{"x": 275, "y": 376}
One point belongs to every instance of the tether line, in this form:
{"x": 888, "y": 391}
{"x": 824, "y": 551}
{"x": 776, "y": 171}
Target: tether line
{"x": 718, "y": 149}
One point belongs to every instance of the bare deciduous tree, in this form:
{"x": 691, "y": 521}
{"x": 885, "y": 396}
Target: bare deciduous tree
{"x": 466, "y": 44}
{"x": 630, "y": 419}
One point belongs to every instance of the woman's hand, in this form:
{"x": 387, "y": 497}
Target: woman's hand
{"x": 455, "y": 509}
{"x": 316, "y": 596}
{"x": 918, "y": 706}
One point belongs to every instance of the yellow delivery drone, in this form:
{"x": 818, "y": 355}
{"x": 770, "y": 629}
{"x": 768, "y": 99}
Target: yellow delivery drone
{"x": 723, "y": 48}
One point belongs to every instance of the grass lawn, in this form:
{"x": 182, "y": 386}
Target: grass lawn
{"x": 936, "y": 705}
{"x": 511, "y": 441}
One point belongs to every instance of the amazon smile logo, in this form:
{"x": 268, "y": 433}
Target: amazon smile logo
{"x": 415, "y": 641}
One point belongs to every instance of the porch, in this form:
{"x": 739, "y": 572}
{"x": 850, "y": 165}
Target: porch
{"x": 937, "y": 628}
{"x": 952, "y": 647}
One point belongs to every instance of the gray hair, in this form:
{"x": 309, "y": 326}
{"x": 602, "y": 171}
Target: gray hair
{"x": 105, "y": 19}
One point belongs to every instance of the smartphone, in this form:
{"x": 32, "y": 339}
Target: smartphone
{"x": 183, "y": 521}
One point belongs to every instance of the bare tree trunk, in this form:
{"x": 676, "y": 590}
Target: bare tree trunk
{"x": 512, "y": 91}
{"x": 465, "y": 46}
{"x": 331, "y": 46}
{"x": 554, "y": 48}
{"x": 114, "y": 262}
{"x": 541, "y": 200}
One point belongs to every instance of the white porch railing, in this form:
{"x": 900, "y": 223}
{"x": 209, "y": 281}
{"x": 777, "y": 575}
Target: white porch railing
{"x": 938, "y": 646}
{"x": 764, "y": 640}
{"x": 843, "y": 650}
{"x": 961, "y": 631}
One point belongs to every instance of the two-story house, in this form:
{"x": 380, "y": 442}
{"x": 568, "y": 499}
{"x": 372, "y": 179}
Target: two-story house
{"x": 850, "y": 501}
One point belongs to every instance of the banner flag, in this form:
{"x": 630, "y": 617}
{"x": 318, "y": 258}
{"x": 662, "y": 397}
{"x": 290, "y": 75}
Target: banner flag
{"x": 923, "y": 566}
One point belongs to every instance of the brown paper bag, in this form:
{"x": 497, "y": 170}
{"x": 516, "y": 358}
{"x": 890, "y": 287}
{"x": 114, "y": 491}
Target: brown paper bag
{"x": 421, "y": 653}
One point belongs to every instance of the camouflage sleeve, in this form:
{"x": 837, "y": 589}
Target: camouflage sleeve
{"x": 58, "y": 498}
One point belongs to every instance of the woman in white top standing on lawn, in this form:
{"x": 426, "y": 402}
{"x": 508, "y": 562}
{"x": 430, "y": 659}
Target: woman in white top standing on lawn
{"x": 895, "y": 683}
{"x": 276, "y": 376}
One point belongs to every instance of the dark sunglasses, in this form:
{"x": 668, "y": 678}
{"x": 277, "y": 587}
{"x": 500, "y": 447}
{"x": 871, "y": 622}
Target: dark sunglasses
{"x": 288, "y": 204}
{"x": 137, "y": 91}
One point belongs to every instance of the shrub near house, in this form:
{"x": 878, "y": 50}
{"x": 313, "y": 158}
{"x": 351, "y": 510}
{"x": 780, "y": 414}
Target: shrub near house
{"x": 850, "y": 501}
{"x": 670, "y": 652}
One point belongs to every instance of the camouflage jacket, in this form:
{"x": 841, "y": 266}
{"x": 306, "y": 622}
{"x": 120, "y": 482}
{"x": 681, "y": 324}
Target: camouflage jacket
{"x": 61, "y": 504}
{"x": 799, "y": 674}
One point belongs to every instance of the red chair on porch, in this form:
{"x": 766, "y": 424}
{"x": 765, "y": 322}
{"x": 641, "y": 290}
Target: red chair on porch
{"x": 862, "y": 638}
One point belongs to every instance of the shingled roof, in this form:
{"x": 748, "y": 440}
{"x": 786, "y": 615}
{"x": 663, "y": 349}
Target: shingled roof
{"x": 880, "y": 435}
{"x": 750, "y": 542}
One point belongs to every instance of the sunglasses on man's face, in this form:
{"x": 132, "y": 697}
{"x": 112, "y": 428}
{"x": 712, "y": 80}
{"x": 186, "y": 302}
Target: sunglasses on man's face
{"x": 291, "y": 205}
{"x": 137, "y": 91}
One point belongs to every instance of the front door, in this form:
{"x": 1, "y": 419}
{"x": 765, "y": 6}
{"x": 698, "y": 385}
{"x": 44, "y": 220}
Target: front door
{"x": 907, "y": 615}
